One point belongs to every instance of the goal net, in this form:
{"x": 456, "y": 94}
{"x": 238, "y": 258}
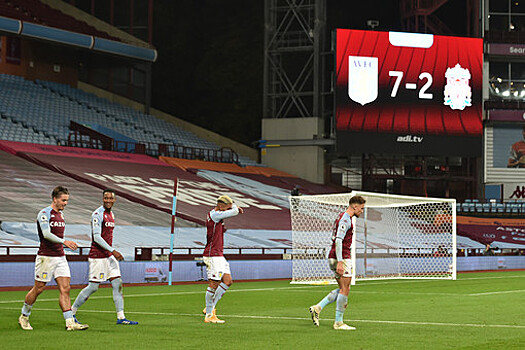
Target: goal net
{"x": 396, "y": 237}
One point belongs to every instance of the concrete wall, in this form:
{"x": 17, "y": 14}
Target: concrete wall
{"x": 39, "y": 60}
{"x": 306, "y": 162}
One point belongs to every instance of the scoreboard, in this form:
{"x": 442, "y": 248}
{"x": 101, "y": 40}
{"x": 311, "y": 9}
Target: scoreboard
{"x": 408, "y": 93}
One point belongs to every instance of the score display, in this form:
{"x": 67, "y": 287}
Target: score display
{"x": 408, "y": 92}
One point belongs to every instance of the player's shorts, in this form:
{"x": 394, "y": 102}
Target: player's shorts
{"x": 216, "y": 266}
{"x": 49, "y": 267}
{"x": 347, "y": 265}
{"x": 102, "y": 269}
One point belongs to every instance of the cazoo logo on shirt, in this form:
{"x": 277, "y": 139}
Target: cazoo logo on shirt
{"x": 57, "y": 224}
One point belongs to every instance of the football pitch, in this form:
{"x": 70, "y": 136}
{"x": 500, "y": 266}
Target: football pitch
{"x": 478, "y": 311}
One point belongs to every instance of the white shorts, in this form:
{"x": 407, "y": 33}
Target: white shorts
{"x": 49, "y": 267}
{"x": 102, "y": 269}
{"x": 216, "y": 266}
{"x": 347, "y": 265}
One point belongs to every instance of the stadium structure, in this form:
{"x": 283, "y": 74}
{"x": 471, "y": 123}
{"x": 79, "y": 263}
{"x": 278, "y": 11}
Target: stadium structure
{"x": 75, "y": 110}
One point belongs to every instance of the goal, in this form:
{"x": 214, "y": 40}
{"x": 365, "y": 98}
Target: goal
{"x": 396, "y": 237}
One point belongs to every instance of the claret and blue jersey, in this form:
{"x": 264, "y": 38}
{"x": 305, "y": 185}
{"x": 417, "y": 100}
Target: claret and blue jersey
{"x": 343, "y": 229}
{"x": 49, "y": 220}
{"x": 102, "y": 224}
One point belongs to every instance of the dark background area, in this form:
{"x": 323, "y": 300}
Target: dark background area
{"x": 210, "y": 66}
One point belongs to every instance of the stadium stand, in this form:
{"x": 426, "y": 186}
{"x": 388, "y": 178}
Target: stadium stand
{"x": 140, "y": 126}
{"x": 25, "y": 189}
{"x": 149, "y": 181}
{"x": 47, "y": 109}
{"x": 491, "y": 208}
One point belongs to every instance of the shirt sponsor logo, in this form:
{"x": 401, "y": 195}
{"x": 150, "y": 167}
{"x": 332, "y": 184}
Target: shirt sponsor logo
{"x": 109, "y": 224}
{"x": 520, "y": 50}
{"x": 57, "y": 224}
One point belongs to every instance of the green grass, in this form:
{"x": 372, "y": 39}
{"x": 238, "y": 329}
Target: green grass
{"x": 478, "y": 311}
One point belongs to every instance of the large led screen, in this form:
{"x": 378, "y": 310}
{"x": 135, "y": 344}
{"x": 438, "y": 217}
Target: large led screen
{"x": 408, "y": 93}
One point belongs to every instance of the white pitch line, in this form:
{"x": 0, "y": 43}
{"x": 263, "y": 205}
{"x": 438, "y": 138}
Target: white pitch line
{"x": 285, "y": 289}
{"x": 397, "y": 292}
{"x": 362, "y": 283}
{"x": 494, "y": 293}
{"x": 199, "y": 315}
{"x": 174, "y": 293}
{"x": 307, "y": 288}
{"x": 489, "y": 278}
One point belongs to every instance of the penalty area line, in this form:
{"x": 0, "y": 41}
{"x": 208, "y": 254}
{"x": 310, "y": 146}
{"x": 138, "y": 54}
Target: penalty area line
{"x": 259, "y": 317}
{"x": 496, "y": 293}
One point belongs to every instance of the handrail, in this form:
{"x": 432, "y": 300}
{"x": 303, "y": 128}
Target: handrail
{"x": 223, "y": 155}
{"x": 195, "y": 253}
{"x": 8, "y": 249}
{"x": 191, "y": 250}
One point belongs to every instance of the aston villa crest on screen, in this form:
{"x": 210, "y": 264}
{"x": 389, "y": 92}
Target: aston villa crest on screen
{"x": 362, "y": 79}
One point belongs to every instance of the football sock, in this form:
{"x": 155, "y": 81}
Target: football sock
{"x": 68, "y": 314}
{"x": 329, "y": 298}
{"x": 83, "y": 296}
{"x": 118, "y": 298}
{"x": 340, "y": 307}
{"x": 219, "y": 293}
{"x": 210, "y": 292}
{"x": 26, "y": 309}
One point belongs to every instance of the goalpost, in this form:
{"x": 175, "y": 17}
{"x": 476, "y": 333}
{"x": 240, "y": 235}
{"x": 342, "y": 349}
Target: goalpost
{"x": 396, "y": 237}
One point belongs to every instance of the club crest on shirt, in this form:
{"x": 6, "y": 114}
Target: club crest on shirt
{"x": 362, "y": 79}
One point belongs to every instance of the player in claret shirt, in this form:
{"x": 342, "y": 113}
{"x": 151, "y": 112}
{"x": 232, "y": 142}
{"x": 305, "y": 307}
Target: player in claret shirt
{"x": 103, "y": 259}
{"x": 51, "y": 261}
{"x": 219, "y": 275}
{"x": 340, "y": 262}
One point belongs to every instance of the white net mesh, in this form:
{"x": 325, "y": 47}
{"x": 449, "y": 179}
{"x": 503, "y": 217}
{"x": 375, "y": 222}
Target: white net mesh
{"x": 396, "y": 237}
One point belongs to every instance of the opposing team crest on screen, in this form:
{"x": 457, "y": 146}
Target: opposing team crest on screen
{"x": 362, "y": 79}
{"x": 458, "y": 93}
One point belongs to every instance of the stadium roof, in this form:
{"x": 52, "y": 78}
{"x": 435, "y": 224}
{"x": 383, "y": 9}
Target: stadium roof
{"x": 67, "y": 25}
